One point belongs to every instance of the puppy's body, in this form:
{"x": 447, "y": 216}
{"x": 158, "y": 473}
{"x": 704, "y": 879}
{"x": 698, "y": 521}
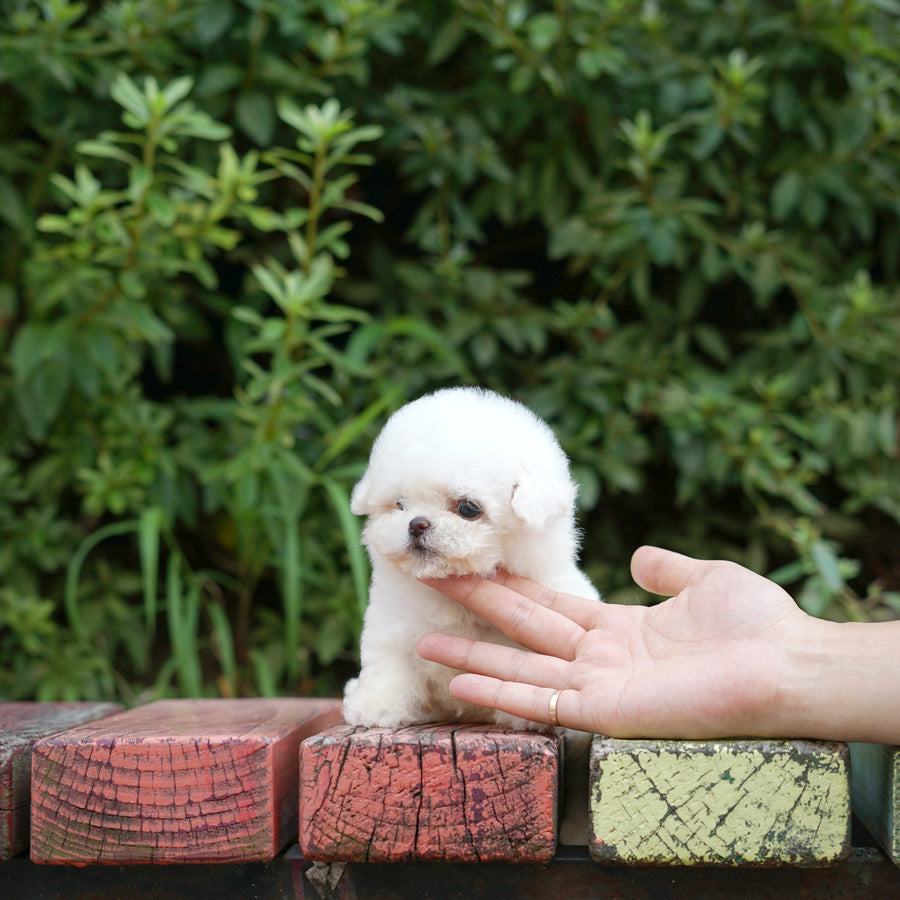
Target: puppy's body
{"x": 461, "y": 481}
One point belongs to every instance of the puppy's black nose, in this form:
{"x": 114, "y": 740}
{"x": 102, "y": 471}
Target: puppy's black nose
{"x": 418, "y": 526}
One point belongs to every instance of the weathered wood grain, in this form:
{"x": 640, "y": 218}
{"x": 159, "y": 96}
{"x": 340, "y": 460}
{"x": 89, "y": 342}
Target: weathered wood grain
{"x": 449, "y": 792}
{"x": 174, "y": 781}
{"x": 737, "y": 802}
{"x": 21, "y": 724}
{"x": 875, "y": 785}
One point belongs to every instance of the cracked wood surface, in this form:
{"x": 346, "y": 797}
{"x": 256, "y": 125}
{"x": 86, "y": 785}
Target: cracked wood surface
{"x": 738, "y": 802}
{"x": 449, "y": 792}
{"x": 875, "y": 779}
{"x": 21, "y": 725}
{"x": 174, "y": 781}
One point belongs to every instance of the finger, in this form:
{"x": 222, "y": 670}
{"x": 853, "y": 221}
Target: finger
{"x": 581, "y": 610}
{"x": 524, "y": 700}
{"x": 526, "y": 622}
{"x": 664, "y": 571}
{"x": 496, "y": 660}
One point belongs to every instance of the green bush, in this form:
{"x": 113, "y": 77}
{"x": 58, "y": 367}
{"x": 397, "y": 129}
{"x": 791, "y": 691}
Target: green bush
{"x": 235, "y": 234}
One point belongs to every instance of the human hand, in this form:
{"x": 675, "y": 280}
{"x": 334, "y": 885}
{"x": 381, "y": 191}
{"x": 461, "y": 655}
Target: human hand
{"x": 708, "y": 662}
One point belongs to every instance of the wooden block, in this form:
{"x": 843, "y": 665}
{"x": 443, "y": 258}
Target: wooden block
{"x": 21, "y": 724}
{"x": 448, "y": 792}
{"x": 174, "y": 781}
{"x": 875, "y": 786}
{"x": 736, "y": 802}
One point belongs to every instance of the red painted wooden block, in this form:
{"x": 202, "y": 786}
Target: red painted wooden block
{"x": 450, "y": 792}
{"x": 174, "y": 781}
{"x": 21, "y": 724}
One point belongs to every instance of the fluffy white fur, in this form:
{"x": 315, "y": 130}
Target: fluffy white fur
{"x": 455, "y": 445}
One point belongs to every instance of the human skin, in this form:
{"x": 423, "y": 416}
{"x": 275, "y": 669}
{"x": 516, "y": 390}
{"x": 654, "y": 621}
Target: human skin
{"x": 729, "y": 653}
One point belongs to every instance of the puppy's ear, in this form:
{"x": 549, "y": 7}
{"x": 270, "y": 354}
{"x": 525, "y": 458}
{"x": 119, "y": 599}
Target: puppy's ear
{"x": 359, "y": 498}
{"x": 537, "y": 501}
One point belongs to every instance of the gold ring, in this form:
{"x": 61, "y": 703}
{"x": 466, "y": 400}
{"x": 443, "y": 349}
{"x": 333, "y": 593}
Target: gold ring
{"x": 554, "y": 699}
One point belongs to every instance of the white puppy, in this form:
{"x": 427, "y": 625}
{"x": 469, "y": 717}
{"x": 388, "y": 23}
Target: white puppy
{"x": 462, "y": 481}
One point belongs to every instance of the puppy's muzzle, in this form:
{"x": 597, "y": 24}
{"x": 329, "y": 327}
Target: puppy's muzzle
{"x": 418, "y": 526}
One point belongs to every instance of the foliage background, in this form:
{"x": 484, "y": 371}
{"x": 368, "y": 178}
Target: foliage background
{"x": 234, "y": 234}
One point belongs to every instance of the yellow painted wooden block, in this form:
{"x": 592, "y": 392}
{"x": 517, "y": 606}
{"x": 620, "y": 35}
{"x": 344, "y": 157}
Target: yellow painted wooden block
{"x": 735, "y": 802}
{"x": 875, "y": 783}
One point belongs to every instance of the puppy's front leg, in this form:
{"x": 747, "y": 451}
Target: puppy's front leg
{"x": 392, "y": 690}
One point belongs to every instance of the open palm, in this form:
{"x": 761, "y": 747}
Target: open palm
{"x": 704, "y": 663}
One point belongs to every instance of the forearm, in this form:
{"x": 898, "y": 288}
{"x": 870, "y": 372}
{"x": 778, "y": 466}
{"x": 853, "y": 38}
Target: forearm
{"x": 842, "y": 682}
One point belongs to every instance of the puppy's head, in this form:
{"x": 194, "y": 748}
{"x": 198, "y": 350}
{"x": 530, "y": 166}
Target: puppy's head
{"x": 455, "y": 477}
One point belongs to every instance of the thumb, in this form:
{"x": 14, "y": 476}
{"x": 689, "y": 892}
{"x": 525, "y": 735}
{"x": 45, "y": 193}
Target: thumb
{"x": 664, "y": 571}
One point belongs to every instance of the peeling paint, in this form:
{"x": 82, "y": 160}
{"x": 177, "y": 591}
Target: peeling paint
{"x": 719, "y": 803}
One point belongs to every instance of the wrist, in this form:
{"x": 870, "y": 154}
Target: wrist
{"x": 804, "y": 679}
{"x": 841, "y": 681}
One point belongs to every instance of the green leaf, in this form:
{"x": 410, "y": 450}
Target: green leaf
{"x": 711, "y": 341}
{"x": 104, "y": 149}
{"x": 592, "y": 61}
{"x": 291, "y": 591}
{"x": 331, "y": 639}
{"x": 200, "y": 125}
{"x": 448, "y": 39}
{"x": 217, "y": 79}
{"x": 150, "y": 526}
{"x": 53, "y": 224}
{"x": 663, "y": 243}
{"x": 161, "y": 208}
{"x": 789, "y": 572}
{"x": 223, "y": 645}
{"x": 363, "y": 209}
{"x": 255, "y": 114}
{"x": 351, "y": 430}
{"x": 359, "y": 568}
{"x": 814, "y": 208}
{"x": 44, "y": 374}
{"x": 814, "y": 597}
{"x": 73, "y": 570}
{"x": 183, "y": 613}
{"x": 271, "y": 284}
{"x": 213, "y": 19}
{"x": 544, "y": 29}
{"x": 127, "y": 94}
{"x": 176, "y": 90}
{"x": 266, "y": 682}
{"x": 30, "y": 349}
{"x": 827, "y": 565}
{"x": 887, "y": 430}
{"x": 521, "y": 79}
{"x": 708, "y": 140}
{"x": 12, "y": 206}
{"x": 787, "y": 194}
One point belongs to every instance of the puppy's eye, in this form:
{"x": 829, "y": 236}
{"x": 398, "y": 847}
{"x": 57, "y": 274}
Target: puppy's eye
{"x": 400, "y": 503}
{"x": 468, "y": 509}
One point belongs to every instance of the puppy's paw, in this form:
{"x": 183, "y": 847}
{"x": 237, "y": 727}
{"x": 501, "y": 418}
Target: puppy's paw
{"x": 373, "y": 709}
{"x": 519, "y": 724}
